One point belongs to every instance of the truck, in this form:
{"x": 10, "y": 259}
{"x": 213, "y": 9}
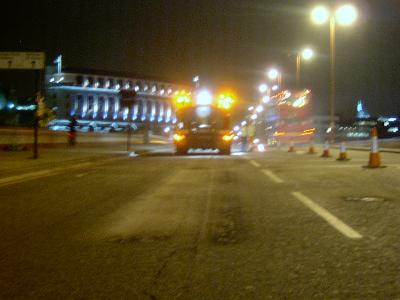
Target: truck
{"x": 204, "y": 123}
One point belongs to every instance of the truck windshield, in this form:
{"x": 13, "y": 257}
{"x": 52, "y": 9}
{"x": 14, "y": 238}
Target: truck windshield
{"x": 204, "y": 117}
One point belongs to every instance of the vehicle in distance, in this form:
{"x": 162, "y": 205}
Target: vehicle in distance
{"x": 203, "y": 124}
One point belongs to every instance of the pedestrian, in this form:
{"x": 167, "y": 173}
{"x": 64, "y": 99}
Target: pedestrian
{"x": 72, "y": 131}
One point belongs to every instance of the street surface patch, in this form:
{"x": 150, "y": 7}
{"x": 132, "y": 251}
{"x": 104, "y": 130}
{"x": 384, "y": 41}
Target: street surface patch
{"x": 366, "y": 199}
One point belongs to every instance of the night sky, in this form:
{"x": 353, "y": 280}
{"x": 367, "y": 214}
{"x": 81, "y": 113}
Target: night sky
{"x": 229, "y": 43}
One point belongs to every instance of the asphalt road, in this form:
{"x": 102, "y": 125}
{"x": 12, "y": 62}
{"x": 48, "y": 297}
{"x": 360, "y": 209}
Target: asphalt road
{"x": 275, "y": 225}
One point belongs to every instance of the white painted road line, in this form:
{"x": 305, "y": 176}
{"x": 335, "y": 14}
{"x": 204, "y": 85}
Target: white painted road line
{"x": 52, "y": 172}
{"x": 255, "y": 164}
{"x": 272, "y": 176}
{"x": 328, "y": 217}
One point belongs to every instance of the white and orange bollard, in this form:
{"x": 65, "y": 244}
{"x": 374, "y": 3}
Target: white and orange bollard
{"x": 291, "y": 146}
{"x": 311, "y": 149}
{"x": 374, "y": 156}
{"x": 343, "y": 152}
{"x": 326, "y": 152}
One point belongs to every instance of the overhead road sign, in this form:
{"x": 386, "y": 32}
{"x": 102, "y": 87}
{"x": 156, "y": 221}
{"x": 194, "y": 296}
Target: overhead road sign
{"x": 22, "y": 60}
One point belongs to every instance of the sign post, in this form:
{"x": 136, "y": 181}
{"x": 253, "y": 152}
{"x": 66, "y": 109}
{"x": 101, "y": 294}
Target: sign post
{"x": 127, "y": 98}
{"x": 27, "y": 61}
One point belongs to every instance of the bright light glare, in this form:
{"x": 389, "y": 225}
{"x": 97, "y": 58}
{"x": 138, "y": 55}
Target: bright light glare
{"x": 275, "y": 87}
{"x": 178, "y": 137}
{"x": 250, "y": 108}
{"x": 346, "y": 15}
{"x": 167, "y": 129}
{"x": 227, "y": 137}
{"x": 236, "y": 128}
{"x": 225, "y": 101}
{"x": 244, "y": 123}
{"x": 204, "y": 98}
{"x": 259, "y": 108}
{"x": 320, "y": 15}
{"x": 256, "y": 141}
{"x": 263, "y": 88}
{"x": 273, "y": 74}
{"x": 253, "y": 116}
{"x": 261, "y": 148}
{"x": 307, "y": 54}
{"x": 266, "y": 99}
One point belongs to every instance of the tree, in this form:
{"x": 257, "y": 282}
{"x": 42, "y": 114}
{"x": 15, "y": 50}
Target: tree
{"x": 43, "y": 113}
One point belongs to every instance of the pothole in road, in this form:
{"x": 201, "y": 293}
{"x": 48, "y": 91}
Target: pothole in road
{"x": 366, "y": 199}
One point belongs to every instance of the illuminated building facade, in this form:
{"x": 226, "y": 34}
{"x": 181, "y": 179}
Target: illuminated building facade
{"x": 94, "y": 99}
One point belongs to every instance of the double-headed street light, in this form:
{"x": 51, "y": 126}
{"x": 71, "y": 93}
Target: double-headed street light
{"x": 305, "y": 54}
{"x": 344, "y": 15}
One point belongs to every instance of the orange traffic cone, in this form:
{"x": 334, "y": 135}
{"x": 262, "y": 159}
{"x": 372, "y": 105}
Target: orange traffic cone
{"x": 311, "y": 149}
{"x": 343, "y": 152}
{"x": 291, "y": 146}
{"x": 374, "y": 156}
{"x": 326, "y": 150}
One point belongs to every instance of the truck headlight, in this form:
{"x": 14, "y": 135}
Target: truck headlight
{"x": 179, "y": 137}
{"x": 227, "y": 137}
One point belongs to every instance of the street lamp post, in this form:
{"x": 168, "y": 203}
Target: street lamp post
{"x": 305, "y": 54}
{"x": 344, "y": 15}
{"x": 332, "y": 97}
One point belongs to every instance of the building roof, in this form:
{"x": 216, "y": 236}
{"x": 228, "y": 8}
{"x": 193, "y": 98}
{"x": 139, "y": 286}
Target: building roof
{"x": 121, "y": 74}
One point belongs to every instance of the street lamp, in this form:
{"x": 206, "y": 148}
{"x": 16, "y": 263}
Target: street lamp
{"x": 344, "y": 15}
{"x": 305, "y": 54}
{"x": 273, "y": 74}
{"x": 263, "y": 88}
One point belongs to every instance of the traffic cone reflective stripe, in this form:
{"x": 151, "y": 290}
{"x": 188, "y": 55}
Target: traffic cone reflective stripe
{"x": 326, "y": 150}
{"x": 374, "y": 156}
{"x": 343, "y": 151}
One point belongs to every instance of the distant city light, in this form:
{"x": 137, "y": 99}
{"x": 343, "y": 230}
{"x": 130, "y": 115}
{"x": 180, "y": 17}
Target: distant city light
{"x": 26, "y": 107}
{"x": 261, "y": 147}
{"x": 250, "y": 108}
{"x": 244, "y": 123}
{"x": 254, "y": 116}
{"x": 259, "y": 108}
{"x": 266, "y": 99}
{"x": 275, "y": 87}
{"x": 10, "y": 105}
{"x": 236, "y": 128}
{"x": 307, "y": 54}
{"x": 273, "y": 74}
{"x": 263, "y": 88}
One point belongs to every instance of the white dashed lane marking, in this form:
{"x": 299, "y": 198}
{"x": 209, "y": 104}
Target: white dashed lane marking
{"x": 255, "y": 164}
{"x": 272, "y": 176}
{"x": 332, "y": 220}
